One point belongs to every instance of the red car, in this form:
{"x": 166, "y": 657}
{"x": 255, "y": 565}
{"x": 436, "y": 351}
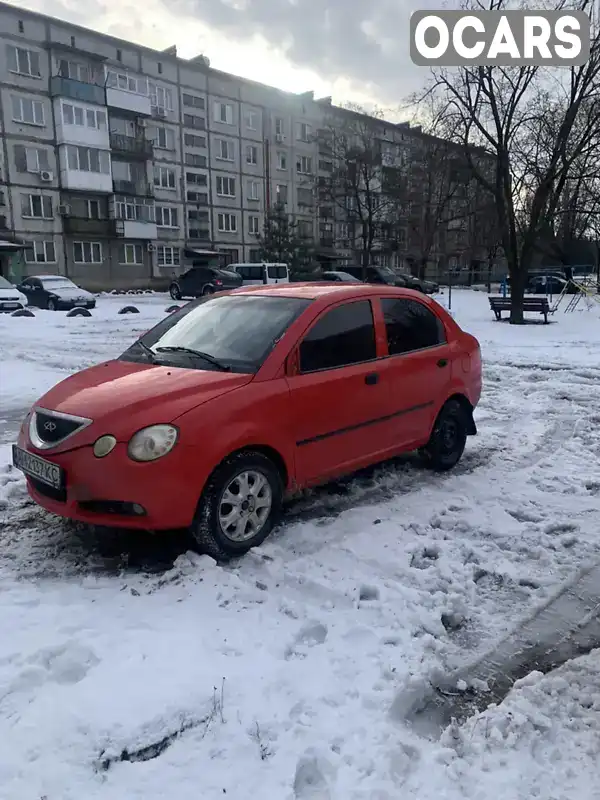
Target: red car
{"x": 226, "y": 405}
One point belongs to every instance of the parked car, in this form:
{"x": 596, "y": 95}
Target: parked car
{"x": 255, "y": 274}
{"x": 212, "y": 416}
{"x": 199, "y": 281}
{"x": 385, "y": 275}
{"x": 420, "y": 284}
{"x": 339, "y": 276}
{"x": 55, "y": 292}
{"x": 10, "y": 297}
{"x": 550, "y": 284}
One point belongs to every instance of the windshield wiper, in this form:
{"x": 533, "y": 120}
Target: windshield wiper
{"x": 206, "y": 356}
{"x": 147, "y": 350}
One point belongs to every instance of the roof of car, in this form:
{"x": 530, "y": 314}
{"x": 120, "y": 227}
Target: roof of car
{"x": 41, "y": 277}
{"x": 314, "y": 291}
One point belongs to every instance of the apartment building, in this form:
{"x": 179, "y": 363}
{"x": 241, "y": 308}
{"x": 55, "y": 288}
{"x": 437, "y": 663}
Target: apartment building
{"x": 120, "y": 164}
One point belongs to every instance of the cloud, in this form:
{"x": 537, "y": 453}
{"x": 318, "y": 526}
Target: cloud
{"x": 357, "y": 49}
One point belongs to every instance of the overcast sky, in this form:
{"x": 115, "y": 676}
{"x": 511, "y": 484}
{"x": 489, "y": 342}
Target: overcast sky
{"x": 355, "y": 50}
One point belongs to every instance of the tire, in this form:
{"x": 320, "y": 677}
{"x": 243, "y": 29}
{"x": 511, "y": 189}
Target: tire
{"x": 208, "y": 290}
{"x": 51, "y": 304}
{"x": 208, "y": 529}
{"x": 175, "y": 291}
{"x": 447, "y": 443}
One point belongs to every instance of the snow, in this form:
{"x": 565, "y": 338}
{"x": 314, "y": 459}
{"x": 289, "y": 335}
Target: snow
{"x": 288, "y": 670}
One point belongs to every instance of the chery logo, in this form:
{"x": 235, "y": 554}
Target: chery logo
{"x": 50, "y": 426}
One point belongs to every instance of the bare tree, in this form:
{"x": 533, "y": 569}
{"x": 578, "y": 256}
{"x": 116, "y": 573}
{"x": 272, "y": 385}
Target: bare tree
{"x": 537, "y": 123}
{"x": 364, "y": 186}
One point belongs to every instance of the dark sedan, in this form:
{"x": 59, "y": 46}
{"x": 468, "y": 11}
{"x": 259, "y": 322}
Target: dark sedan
{"x": 55, "y": 292}
{"x": 200, "y": 281}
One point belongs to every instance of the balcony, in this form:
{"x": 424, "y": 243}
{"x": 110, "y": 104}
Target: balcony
{"x": 137, "y": 188}
{"x": 326, "y": 241}
{"x": 135, "y": 104}
{"x": 135, "y": 229}
{"x": 76, "y": 226}
{"x": 199, "y": 233}
{"x": 77, "y": 90}
{"x": 131, "y": 146}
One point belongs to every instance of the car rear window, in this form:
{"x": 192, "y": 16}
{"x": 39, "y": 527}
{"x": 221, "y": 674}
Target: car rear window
{"x": 411, "y": 326}
{"x": 277, "y": 272}
{"x": 238, "y": 330}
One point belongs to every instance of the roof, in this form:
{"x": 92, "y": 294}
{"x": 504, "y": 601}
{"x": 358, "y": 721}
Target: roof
{"x": 315, "y": 291}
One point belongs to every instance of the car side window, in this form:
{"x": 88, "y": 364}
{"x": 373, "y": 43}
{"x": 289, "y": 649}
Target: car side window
{"x": 343, "y": 336}
{"x": 410, "y": 326}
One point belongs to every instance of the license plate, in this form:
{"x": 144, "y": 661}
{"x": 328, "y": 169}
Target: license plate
{"x": 11, "y": 305}
{"x": 38, "y": 468}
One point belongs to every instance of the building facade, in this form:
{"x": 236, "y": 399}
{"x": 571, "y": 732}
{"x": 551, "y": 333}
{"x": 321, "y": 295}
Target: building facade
{"x": 118, "y": 163}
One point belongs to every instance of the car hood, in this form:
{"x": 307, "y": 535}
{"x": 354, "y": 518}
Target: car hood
{"x": 12, "y": 294}
{"x": 70, "y": 294}
{"x": 122, "y": 397}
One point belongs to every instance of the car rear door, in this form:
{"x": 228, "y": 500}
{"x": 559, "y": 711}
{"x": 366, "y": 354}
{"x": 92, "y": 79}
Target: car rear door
{"x": 339, "y": 403}
{"x": 418, "y": 369}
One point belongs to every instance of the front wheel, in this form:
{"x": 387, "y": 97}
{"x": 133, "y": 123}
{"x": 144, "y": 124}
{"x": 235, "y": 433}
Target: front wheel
{"x": 446, "y": 445}
{"x": 175, "y": 291}
{"x": 239, "y": 505}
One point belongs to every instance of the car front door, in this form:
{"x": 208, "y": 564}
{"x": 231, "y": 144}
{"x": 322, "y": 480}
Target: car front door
{"x": 338, "y": 401}
{"x": 418, "y": 368}
{"x": 36, "y": 296}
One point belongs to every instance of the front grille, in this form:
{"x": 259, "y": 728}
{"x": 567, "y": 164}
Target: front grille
{"x": 48, "y": 491}
{"x": 53, "y": 429}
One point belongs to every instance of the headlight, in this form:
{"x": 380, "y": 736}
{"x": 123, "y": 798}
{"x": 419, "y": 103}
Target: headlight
{"x": 152, "y": 443}
{"x": 104, "y": 445}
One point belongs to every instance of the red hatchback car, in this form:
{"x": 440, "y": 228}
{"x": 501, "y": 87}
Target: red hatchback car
{"x": 238, "y": 398}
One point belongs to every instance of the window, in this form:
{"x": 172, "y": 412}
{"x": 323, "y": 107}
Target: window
{"x": 36, "y": 205}
{"x": 251, "y": 154}
{"x": 160, "y": 97}
{"x": 281, "y": 160}
{"x": 30, "y": 159}
{"x": 166, "y": 217}
{"x": 279, "y": 127}
{"x": 119, "y": 54}
{"x": 253, "y": 225}
{"x": 410, "y": 326}
{"x": 194, "y": 215}
{"x": 223, "y": 112}
{"x": 345, "y": 335}
{"x": 191, "y": 140}
{"x": 21, "y": 26}
{"x": 40, "y": 252}
{"x": 252, "y": 120}
{"x": 304, "y": 165}
{"x": 135, "y": 209}
{"x": 326, "y": 166}
{"x": 193, "y": 101}
{"x": 195, "y": 160}
{"x": 83, "y": 117}
{"x": 304, "y": 132}
{"x": 164, "y": 138}
{"x": 167, "y": 256}
{"x": 27, "y": 110}
{"x": 126, "y": 82}
{"x": 281, "y": 193}
{"x": 305, "y": 229}
{"x": 225, "y": 186}
{"x": 193, "y": 121}
{"x": 196, "y": 177}
{"x": 23, "y": 61}
{"x": 87, "y": 252}
{"x": 94, "y": 210}
{"x": 74, "y": 71}
{"x": 160, "y": 67}
{"x": 305, "y": 197}
{"x": 131, "y": 254}
{"x": 253, "y": 190}
{"x": 224, "y": 150}
{"x": 227, "y": 223}
{"x": 164, "y": 177}
{"x": 199, "y": 233}
{"x": 88, "y": 159}
{"x": 200, "y": 198}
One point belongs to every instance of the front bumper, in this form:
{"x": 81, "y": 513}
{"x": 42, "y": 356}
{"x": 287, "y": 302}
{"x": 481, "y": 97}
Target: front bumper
{"x": 103, "y": 491}
{"x": 8, "y": 306}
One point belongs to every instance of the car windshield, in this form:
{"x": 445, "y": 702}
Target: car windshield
{"x": 386, "y": 273}
{"x": 236, "y": 331}
{"x": 4, "y": 284}
{"x": 57, "y": 283}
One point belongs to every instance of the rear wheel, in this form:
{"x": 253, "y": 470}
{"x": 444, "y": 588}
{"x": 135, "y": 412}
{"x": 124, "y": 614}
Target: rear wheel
{"x": 208, "y": 290}
{"x": 448, "y": 438}
{"x": 175, "y": 291}
{"x": 51, "y": 304}
{"x": 239, "y": 506}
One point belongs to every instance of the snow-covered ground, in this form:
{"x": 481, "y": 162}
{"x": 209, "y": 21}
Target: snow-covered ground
{"x": 286, "y": 672}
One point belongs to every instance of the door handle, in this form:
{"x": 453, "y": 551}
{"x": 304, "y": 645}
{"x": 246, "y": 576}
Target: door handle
{"x": 443, "y": 362}
{"x": 371, "y": 379}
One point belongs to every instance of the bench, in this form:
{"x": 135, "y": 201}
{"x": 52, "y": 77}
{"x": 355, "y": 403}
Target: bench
{"x": 535, "y": 304}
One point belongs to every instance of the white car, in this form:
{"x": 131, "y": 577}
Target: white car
{"x": 10, "y": 297}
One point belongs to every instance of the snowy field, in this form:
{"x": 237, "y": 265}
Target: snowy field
{"x": 133, "y": 669}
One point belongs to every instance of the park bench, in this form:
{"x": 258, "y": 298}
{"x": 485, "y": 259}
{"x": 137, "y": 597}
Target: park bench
{"x": 535, "y": 304}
